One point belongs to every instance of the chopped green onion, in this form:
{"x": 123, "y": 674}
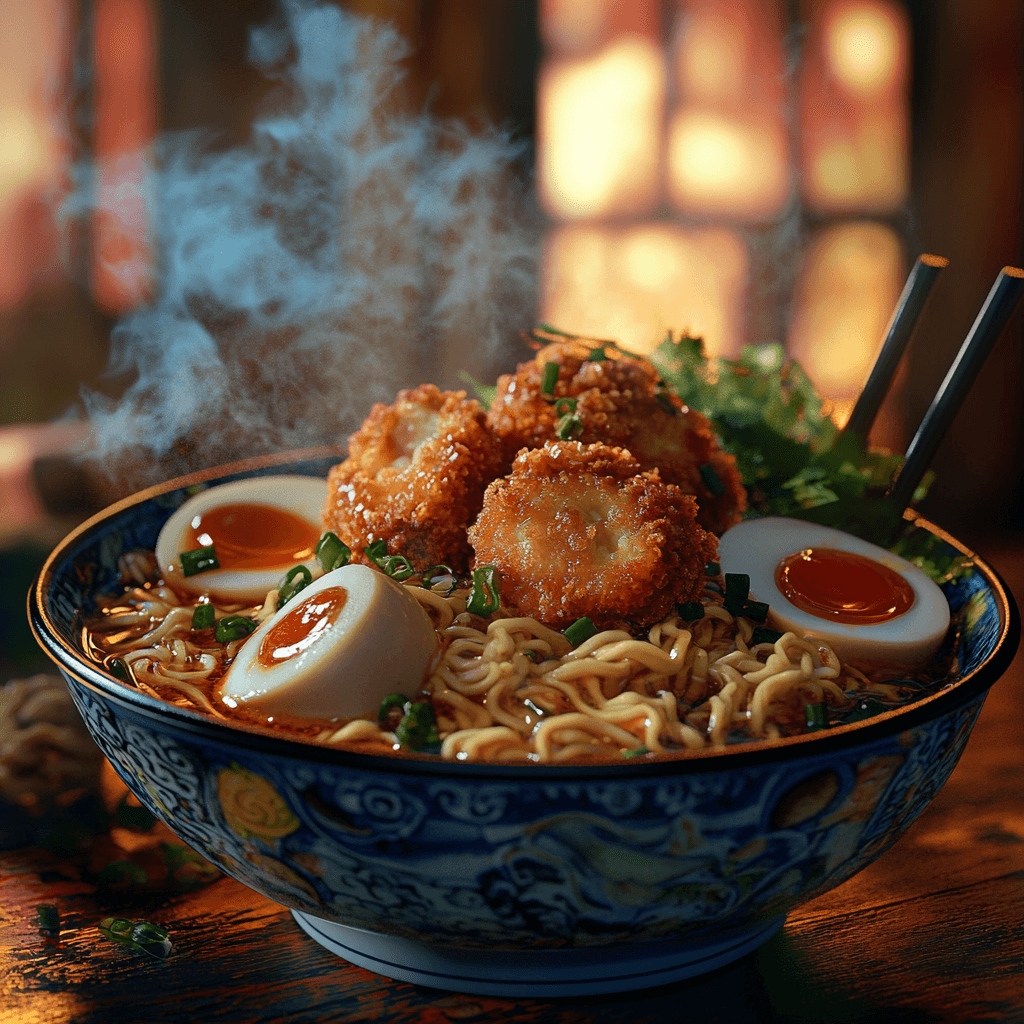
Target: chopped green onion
{"x": 816, "y": 716}
{"x": 203, "y": 617}
{"x": 549, "y": 378}
{"x": 49, "y": 919}
{"x": 118, "y": 668}
{"x": 117, "y": 929}
{"x": 376, "y": 551}
{"x": 331, "y": 552}
{"x": 756, "y": 611}
{"x": 666, "y": 403}
{"x": 564, "y": 405}
{"x": 712, "y": 569}
{"x": 764, "y": 635}
{"x": 398, "y": 567}
{"x": 418, "y": 729}
{"x": 234, "y": 627}
{"x": 150, "y": 938}
{"x": 712, "y": 481}
{"x": 437, "y": 576}
{"x": 297, "y": 578}
{"x": 635, "y": 752}
{"x": 389, "y": 703}
{"x": 737, "y": 587}
{"x": 569, "y": 427}
{"x": 199, "y": 560}
{"x": 690, "y": 610}
{"x": 581, "y": 630}
{"x": 484, "y": 597}
{"x": 597, "y": 354}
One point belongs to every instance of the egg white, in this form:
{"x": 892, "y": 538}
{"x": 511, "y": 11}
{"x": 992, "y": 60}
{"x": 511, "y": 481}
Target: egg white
{"x": 382, "y": 642}
{"x": 303, "y": 496}
{"x": 909, "y": 641}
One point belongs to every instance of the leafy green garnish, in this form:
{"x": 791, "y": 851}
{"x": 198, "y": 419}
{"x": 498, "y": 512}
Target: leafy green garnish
{"x": 484, "y": 392}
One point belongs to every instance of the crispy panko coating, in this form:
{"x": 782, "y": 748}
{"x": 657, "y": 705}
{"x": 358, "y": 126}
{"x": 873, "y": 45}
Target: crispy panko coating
{"x": 415, "y": 476}
{"x": 621, "y": 401}
{"x": 578, "y": 530}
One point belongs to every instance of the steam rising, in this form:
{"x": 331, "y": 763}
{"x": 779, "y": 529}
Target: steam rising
{"x": 349, "y": 249}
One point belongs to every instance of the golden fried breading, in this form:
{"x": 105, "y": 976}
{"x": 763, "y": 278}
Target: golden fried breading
{"x": 415, "y": 476}
{"x": 621, "y": 401}
{"x": 578, "y": 530}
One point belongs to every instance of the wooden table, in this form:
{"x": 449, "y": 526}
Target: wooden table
{"x": 932, "y": 931}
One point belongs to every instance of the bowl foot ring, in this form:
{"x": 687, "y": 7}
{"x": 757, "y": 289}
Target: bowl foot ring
{"x": 536, "y": 974}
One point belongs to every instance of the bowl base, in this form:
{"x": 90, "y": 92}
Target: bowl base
{"x": 535, "y": 973}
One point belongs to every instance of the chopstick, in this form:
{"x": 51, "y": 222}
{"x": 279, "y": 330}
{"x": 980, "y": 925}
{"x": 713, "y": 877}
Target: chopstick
{"x": 992, "y": 318}
{"x": 904, "y": 319}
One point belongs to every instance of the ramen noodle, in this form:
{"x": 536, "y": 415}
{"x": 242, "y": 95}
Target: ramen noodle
{"x": 510, "y": 689}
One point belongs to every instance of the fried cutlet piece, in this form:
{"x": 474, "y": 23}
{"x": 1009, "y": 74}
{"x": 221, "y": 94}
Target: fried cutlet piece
{"x": 415, "y": 477}
{"x": 578, "y": 530}
{"x": 621, "y": 401}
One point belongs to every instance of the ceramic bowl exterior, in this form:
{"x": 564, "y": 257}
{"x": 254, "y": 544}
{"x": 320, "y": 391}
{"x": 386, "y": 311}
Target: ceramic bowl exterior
{"x": 517, "y": 857}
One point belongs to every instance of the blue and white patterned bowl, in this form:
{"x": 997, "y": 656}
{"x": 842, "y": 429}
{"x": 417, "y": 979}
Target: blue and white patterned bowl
{"x": 525, "y": 880}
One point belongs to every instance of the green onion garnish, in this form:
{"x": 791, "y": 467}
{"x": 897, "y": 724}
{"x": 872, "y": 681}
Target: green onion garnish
{"x": 376, "y": 551}
{"x": 297, "y": 578}
{"x": 389, "y": 703}
{"x": 331, "y": 552}
{"x": 564, "y": 406}
{"x": 203, "y": 617}
{"x": 484, "y": 597}
{"x": 712, "y": 481}
{"x": 690, "y": 610}
{"x": 234, "y": 627}
{"x": 118, "y": 668}
{"x": 549, "y": 378}
{"x": 199, "y": 560}
{"x": 764, "y": 635}
{"x": 150, "y": 938}
{"x": 49, "y": 919}
{"x": 438, "y": 577}
{"x": 569, "y": 427}
{"x": 816, "y": 716}
{"x": 580, "y": 630}
{"x": 418, "y": 729}
{"x": 712, "y": 569}
{"x": 117, "y": 929}
{"x": 597, "y": 354}
{"x": 398, "y": 567}
{"x": 635, "y": 752}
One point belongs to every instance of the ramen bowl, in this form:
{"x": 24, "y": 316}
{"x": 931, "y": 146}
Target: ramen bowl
{"x": 519, "y": 879}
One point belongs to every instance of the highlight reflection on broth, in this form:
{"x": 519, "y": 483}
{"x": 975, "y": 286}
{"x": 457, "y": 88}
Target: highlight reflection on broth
{"x": 563, "y": 545}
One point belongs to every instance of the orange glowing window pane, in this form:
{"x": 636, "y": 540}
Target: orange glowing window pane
{"x": 33, "y": 52}
{"x": 599, "y": 131}
{"x": 125, "y": 124}
{"x": 853, "y": 107}
{"x": 727, "y": 147}
{"x": 849, "y": 285}
{"x": 635, "y": 284}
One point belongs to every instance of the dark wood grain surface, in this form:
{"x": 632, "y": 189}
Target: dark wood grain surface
{"x": 932, "y": 931}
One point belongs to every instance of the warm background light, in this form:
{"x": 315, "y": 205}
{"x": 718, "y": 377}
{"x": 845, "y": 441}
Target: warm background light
{"x": 634, "y": 284}
{"x": 599, "y": 131}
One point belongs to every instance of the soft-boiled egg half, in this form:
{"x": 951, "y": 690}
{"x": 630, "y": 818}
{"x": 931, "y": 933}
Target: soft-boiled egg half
{"x": 336, "y": 650}
{"x": 258, "y": 529}
{"x": 873, "y": 608}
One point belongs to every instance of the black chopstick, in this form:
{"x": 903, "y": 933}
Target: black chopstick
{"x": 994, "y": 314}
{"x": 904, "y": 319}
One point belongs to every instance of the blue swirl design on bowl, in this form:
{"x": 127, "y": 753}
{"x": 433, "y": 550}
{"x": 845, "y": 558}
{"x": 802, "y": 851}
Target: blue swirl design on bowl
{"x": 522, "y": 857}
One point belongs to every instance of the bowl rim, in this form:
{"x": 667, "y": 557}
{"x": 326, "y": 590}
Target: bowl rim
{"x": 141, "y": 705}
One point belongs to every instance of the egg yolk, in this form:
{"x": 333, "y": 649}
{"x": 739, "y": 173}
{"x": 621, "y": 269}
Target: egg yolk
{"x": 251, "y": 536}
{"x": 842, "y": 586}
{"x": 300, "y": 629}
